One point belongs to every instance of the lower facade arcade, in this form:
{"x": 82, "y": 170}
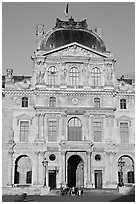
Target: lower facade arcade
{"x": 70, "y": 167}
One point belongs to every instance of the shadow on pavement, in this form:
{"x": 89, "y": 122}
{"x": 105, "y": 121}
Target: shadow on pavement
{"x": 125, "y": 198}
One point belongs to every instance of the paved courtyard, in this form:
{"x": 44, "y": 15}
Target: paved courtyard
{"x": 87, "y": 197}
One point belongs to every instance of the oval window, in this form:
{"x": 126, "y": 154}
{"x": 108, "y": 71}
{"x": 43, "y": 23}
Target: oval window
{"x": 52, "y": 157}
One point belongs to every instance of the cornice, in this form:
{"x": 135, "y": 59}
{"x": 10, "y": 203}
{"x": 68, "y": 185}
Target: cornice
{"x": 75, "y": 92}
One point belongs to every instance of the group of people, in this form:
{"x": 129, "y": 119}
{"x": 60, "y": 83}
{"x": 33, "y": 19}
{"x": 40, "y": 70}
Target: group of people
{"x": 71, "y": 191}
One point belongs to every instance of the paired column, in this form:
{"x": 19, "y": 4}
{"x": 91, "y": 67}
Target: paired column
{"x": 40, "y": 126}
{"x": 63, "y": 167}
{"x": 112, "y": 178}
{"x": 86, "y": 126}
{"x": 10, "y": 168}
{"x": 64, "y": 116}
{"x": 88, "y": 169}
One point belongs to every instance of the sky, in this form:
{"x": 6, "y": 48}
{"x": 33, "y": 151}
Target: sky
{"x": 19, "y": 20}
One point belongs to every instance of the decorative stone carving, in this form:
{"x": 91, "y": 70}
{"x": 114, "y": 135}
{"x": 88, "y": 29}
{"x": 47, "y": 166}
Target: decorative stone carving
{"x": 40, "y": 78}
{"x": 109, "y": 75}
{"x": 24, "y": 165}
{"x": 74, "y": 50}
{"x": 9, "y": 77}
{"x": 40, "y": 34}
{"x": 11, "y": 136}
{"x": 85, "y": 73}
{"x": 71, "y": 23}
{"x": 63, "y": 75}
{"x": 25, "y": 84}
{"x": 75, "y": 101}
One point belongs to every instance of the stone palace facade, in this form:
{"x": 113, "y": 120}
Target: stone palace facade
{"x": 72, "y": 122}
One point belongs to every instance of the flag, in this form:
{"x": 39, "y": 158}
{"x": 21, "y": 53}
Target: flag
{"x": 66, "y": 10}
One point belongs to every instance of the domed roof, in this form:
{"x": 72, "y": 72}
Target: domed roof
{"x": 66, "y": 32}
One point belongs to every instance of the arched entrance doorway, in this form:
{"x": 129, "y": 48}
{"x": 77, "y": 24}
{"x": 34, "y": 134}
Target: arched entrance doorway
{"x": 23, "y": 170}
{"x": 75, "y": 171}
{"x": 125, "y": 170}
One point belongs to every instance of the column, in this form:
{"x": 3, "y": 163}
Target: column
{"x": 42, "y": 126}
{"x": 10, "y": 169}
{"x": 63, "y": 167}
{"x": 36, "y": 168}
{"x": 37, "y": 126}
{"x": 88, "y": 169}
{"x": 41, "y": 169}
{"x": 45, "y": 128}
{"x": 86, "y": 126}
{"x": 113, "y": 170}
{"x": 64, "y": 115}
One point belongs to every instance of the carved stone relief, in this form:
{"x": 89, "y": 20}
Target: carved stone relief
{"x": 40, "y": 78}
{"x": 74, "y": 51}
{"x": 109, "y": 75}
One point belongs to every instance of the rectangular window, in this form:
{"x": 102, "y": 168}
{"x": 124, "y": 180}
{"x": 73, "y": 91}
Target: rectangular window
{"x": 97, "y": 131}
{"x": 52, "y": 130}
{"x": 24, "y": 131}
{"x": 124, "y": 134}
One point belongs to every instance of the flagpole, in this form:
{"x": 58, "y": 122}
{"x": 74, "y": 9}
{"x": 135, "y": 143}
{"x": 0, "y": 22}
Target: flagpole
{"x": 67, "y": 11}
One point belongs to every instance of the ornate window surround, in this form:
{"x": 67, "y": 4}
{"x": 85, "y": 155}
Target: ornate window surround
{"x": 52, "y": 75}
{"x": 74, "y": 76}
{"x": 24, "y": 117}
{"x": 123, "y": 104}
{"x": 124, "y": 119}
{"x": 96, "y": 76}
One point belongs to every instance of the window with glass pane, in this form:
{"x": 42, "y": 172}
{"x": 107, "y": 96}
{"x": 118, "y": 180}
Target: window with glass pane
{"x": 24, "y": 131}
{"x": 52, "y": 76}
{"x": 123, "y": 103}
{"x": 52, "y": 130}
{"x": 97, "y": 102}
{"x": 97, "y": 131}
{"x": 74, "y": 76}
{"x": 52, "y": 102}
{"x": 74, "y": 129}
{"x": 124, "y": 134}
{"x": 24, "y": 102}
{"x": 96, "y": 76}
{"x": 130, "y": 177}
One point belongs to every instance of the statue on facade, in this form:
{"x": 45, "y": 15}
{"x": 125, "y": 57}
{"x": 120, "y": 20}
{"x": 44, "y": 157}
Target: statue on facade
{"x": 39, "y": 34}
{"x": 85, "y": 73}
{"x": 109, "y": 75}
{"x": 25, "y": 84}
{"x": 9, "y": 77}
{"x": 63, "y": 76}
{"x": 11, "y": 136}
{"x": 41, "y": 74}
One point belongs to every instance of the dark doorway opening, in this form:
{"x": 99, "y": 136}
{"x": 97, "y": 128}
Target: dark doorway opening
{"x": 98, "y": 178}
{"x": 52, "y": 179}
{"x": 75, "y": 171}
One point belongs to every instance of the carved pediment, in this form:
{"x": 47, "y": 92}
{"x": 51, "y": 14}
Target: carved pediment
{"x": 75, "y": 49}
{"x": 24, "y": 117}
{"x": 124, "y": 119}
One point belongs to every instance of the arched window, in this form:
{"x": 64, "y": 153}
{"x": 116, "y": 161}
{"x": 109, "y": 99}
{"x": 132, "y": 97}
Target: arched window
{"x": 24, "y": 102}
{"x": 52, "y": 102}
{"x": 74, "y": 76}
{"x": 52, "y": 76}
{"x": 74, "y": 129}
{"x": 97, "y": 102}
{"x": 122, "y": 103}
{"x": 96, "y": 76}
